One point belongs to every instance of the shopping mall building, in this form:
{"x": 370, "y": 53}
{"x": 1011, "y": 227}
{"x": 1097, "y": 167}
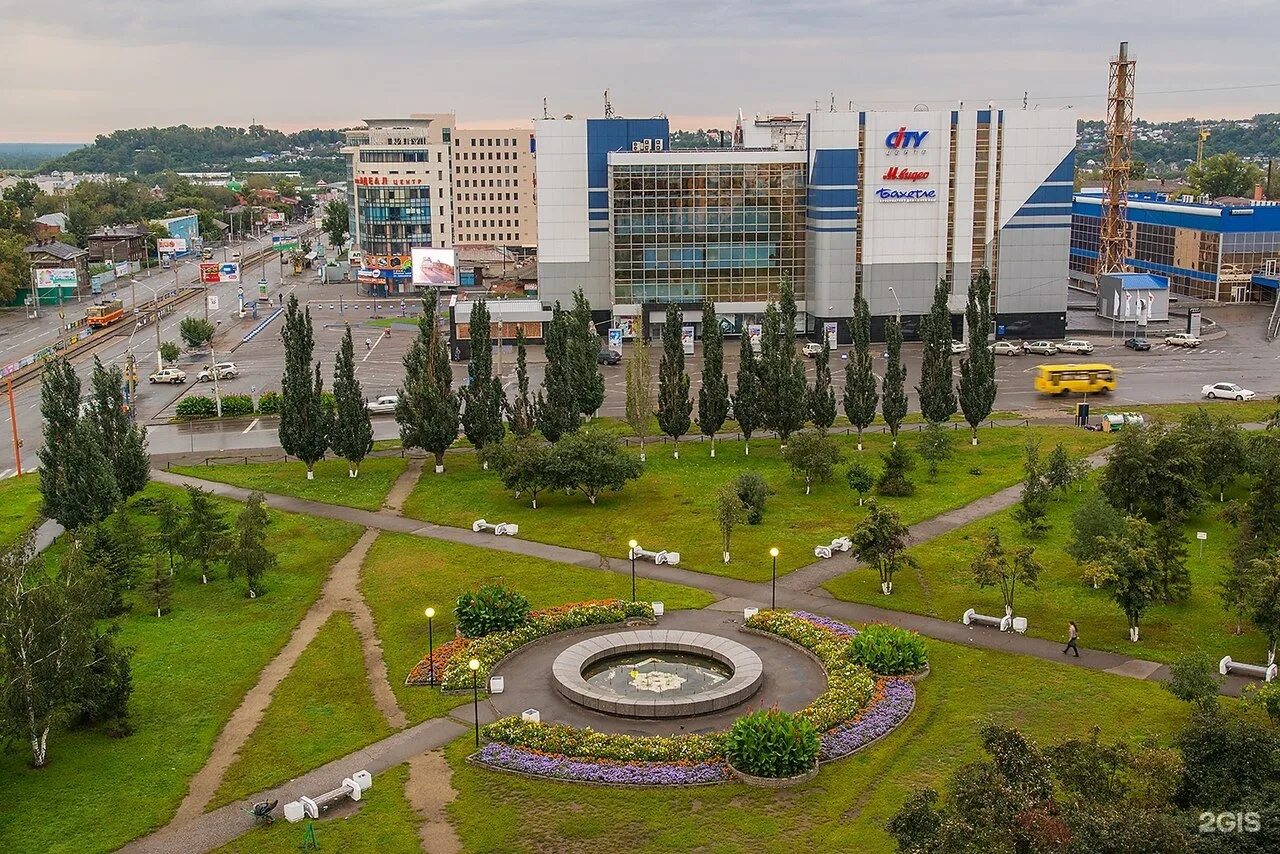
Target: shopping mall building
{"x": 891, "y": 201}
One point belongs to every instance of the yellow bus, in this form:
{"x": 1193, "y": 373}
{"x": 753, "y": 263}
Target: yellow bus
{"x": 1088, "y": 379}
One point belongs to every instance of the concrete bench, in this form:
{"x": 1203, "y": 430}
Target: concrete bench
{"x": 352, "y": 787}
{"x": 972, "y": 617}
{"x": 1265, "y": 672}
{"x": 658, "y": 557}
{"x": 499, "y": 528}
{"x": 839, "y": 544}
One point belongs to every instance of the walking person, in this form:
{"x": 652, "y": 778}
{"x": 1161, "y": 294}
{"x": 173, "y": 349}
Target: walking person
{"x": 368, "y": 344}
{"x": 1073, "y": 634}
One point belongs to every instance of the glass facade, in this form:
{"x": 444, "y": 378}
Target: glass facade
{"x": 1190, "y": 257}
{"x": 687, "y": 231}
{"x": 393, "y": 219}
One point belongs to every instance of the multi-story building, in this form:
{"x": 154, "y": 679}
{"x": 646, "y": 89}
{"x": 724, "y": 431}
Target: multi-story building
{"x": 495, "y": 200}
{"x": 1220, "y": 251}
{"x": 891, "y": 202}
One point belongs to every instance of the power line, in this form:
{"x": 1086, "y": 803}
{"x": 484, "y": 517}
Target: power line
{"x": 1094, "y": 95}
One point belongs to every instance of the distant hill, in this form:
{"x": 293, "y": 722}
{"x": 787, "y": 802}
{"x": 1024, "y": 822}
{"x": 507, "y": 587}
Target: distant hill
{"x": 23, "y": 156}
{"x": 1255, "y": 138}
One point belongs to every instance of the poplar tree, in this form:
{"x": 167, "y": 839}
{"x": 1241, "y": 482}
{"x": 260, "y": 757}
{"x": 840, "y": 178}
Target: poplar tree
{"x": 88, "y": 484}
{"x": 977, "y": 388}
{"x": 482, "y": 398}
{"x": 122, "y": 441}
{"x": 583, "y": 347}
{"x": 60, "y": 411}
{"x": 639, "y": 407}
{"x": 557, "y": 403}
{"x": 521, "y": 416}
{"x": 937, "y": 395}
{"x": 427, "y": 410}
{"x": 304, "y": 418}
{"x": 713, "y": 397}
{"x": 822, "y": 399}
{"x": 785, "y": 390}
{"x": 893, "y": 394}
{"x": 747, "y": 410}
{"x": 249, "y": 555}
{"x": 860, "y": 397}
{"x": 674, "y": 405}
{"x": 352, "y": 436}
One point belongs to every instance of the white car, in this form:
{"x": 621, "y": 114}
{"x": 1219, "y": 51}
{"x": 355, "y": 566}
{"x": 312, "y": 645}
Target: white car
{"x": 224, "y": 370}
{"x": 384, "y": 405}
{"x": 168, "y": 375}
{"x": 1230, "y": 391}
{"x": 811, "y": 349}
{"x": 1006, "y": 348}
{"x": 1043, "y": 348}
{"x": 959, "y": 348}
{"x": 1182, "y": 339}
{"x": 1075, "y": 345}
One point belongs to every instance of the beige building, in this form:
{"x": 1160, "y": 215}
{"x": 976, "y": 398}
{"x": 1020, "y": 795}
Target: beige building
{"x": 494, "y": 192}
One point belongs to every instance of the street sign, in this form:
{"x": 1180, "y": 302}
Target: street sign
{"x": 213, "y": 302}
{"x": 1202, "y": 535}
{"x": 262, "y": 288}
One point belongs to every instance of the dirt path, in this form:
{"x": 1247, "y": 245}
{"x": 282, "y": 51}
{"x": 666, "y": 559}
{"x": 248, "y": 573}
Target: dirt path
{"x": 340, "y": 593}
{"x": 428, "y": 789}
{"x": 403, "y": 487}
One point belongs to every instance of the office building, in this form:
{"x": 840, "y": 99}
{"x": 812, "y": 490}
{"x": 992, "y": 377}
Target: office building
{"x": 495, "y": 202}
{"x": 890, "y": 201}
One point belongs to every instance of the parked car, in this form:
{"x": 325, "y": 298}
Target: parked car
{"x": 1042, "y": 348}
{"x": 1140, "y": 344}
{"x": 1231, "y": 391}
{"x": 383, "y": 405}
{"x": 1006, "y": 348}
{"x": 1182, "y": 339}
{"x": 959, "y": 348}
{"x": 168, "y": 375}
{"x": 811, "y": 349}
{"x": 224, "y": 371}
{"x": 608, "y": 357}
{"x": 1075, "y": 345}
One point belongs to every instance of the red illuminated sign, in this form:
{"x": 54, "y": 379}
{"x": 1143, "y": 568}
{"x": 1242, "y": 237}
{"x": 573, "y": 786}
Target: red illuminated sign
{"x": 897, "y": 173}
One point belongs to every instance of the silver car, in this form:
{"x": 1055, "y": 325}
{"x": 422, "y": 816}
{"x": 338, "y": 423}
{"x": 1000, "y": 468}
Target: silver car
{"x": 1042, "y": 348}
{"x": 384, "y": 405}
{"x": 1076, "y": 345}
{"x": 1006, "y": 348}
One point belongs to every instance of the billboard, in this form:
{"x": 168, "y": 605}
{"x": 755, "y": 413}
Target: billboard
{"x": 435, "y": 267}
{"x": 686, "y": 338}
{"x": 171, "y": 245}
{"x": 275, "y": 216}
{"x": 209, "y": 274}
{"x": 61, "y": 278}
{"x": 284, "y": 242}
{"x": 122, "y": 269}
{"x": 229, "y": 272}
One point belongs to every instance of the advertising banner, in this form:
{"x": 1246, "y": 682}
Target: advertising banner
{"x": 213, "y": 302}
{"x": 831, "y": 330}
{"x": 284, "y": 242}
{"x": 262, "y": 290}
{"x": 382, "y": 267}
{"x": 627, "y": 326}
{"x": 275, "y": 216}
{"x": 686, "y": 338}
{"x": 435, "y": 267}
{"x": 171, "y": 245}
{"x": 122, "y": 269}
{"x": 615, "y": 340}
{"x": 229, "y": 272}
{"x": 1193, "y": 321}
{"x": 210, "y": 274}
{"x": 754, "y": 331}
{"x": 62, "y": 278}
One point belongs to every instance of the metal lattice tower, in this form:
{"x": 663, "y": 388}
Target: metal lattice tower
{"x": 1113, "y": 244}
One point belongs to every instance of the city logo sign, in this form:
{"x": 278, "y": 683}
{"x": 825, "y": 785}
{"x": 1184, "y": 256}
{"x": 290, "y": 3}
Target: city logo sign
{"x": 903, "y": 138}
{"x": 887, "y": 195}
{"x": 897, "y": 173}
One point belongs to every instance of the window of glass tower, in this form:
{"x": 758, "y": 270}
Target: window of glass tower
{"x": 688, "y": 231}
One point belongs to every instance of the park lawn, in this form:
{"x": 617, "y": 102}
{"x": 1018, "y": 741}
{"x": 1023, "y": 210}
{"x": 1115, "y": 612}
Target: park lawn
{"x": 845, "y": 808}
{"x": 322, "y": 710}
{"x": 384, "y": 823}
{"x": 943, "y": 587}
{"x": 671, "y": 505}
{"x": 403, "y": 574}
{"x": 19, "y": 506}
{"x": 191, "y": 668}
{"x": 1243, "y": 411}
{"x": 331, "y": 484}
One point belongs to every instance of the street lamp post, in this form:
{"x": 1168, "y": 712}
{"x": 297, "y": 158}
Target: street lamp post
{"x": 474, "y": 664}
{"x": 431, "y": 647}
{"x": 773, "y": 586}
{"x": 632, "y": 554}
{"x": 155, "y": 298}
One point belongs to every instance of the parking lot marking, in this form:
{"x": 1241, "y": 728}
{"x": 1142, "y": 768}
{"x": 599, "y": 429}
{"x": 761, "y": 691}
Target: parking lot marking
{"x": 252, "y": 424}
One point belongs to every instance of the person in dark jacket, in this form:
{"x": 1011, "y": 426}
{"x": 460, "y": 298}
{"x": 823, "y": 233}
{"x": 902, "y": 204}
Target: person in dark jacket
{"x": 1073, "y": 634}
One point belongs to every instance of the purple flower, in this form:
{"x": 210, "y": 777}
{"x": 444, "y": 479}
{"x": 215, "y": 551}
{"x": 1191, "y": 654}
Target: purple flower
{"x": 831, "y": 625}
{"x": 883, "y": 715}
{"x": 499, "y": 755}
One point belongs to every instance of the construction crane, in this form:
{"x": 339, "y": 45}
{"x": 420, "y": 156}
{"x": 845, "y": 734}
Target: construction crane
{"x": 1113, "y": 242}
{"x": 1204, "y": 134}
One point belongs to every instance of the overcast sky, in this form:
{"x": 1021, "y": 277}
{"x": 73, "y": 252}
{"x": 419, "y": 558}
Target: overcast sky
{"x": 71, "y": 69}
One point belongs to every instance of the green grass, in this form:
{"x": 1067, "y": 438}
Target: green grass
{"x": 331, "y": 484}
{"x": 670, "y": 506}
{"x": 384, "y": 823}
{"x": 845, "y": 808}
{"x": 943, "y": 587}
{"x": 387, "y": 321}
{"x": 1243, "y": 411}
{"x": 322, "y": 710}
{"x": 19, "y": 506}
{"x": 191, "y": 668}
{"x": 403, "y": 574}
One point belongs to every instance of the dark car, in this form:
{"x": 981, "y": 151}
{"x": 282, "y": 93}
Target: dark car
{"x": 608, "y": 357}
{"x": 1137, "y": 344}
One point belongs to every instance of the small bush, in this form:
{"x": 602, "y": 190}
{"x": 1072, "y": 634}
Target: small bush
{"x": 888, "y": 650}
{"x": 195, "y": 406}
{"x": 269, "y": 403}
{"x": 893, "y": 480}
{"x": 490, "y": 609}
{"x": 1265, "y": 696}
{"x": 234, "y": 405}
{"x": 753, "y": 492}
{"x": 329, "y": 401}
{"x": 1194, "y": 679}
{"x": 772, "y": 743}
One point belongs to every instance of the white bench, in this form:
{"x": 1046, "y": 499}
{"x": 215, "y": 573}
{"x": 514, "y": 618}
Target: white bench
{"x": 658, "y": 557}
{"x": 839, "y": 544}
{"x": 1004, "y": 624}
{"x": 352, "y": 787}
{"x": 498, "y": 528}
{"x": 1265, "y": 672}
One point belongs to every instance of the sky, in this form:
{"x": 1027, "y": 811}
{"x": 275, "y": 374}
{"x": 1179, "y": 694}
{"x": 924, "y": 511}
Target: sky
{"x": 72, "y": 69}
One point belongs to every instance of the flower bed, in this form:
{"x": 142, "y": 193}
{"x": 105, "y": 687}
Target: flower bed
{"x": 557, "y": 767}
{"x": 893, "y": 701}
{"x": 588, "y": 744}
{"x": 432, "y": 665}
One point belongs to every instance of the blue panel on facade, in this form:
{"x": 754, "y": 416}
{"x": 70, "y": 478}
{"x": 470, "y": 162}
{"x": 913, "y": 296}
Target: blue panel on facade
{"x": 984, "y": 117}
{"x": 598, "y": 215}
{"x": 1066, "y": 170}
{"x": 1172, "y": 214}
{"x": 821, "y": 197}
{"x": 1262, "y": 281}
{"x": 840, "y": 213}
{"x": 605, "y": 135}
{"x": 832, "y": 230}
{"x": 1047, "y": 194}
{"x": 1045, "y": 210}
{"x": 834, "y": 167}
{"x": 598, "y": 199}
{"x": 1063, "y": 225}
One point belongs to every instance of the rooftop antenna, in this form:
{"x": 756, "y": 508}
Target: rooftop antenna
{"x": 544, "y": 109}
{"x": 608, "y": 107}
{"x": 833, "y": 102}
{"x": 1024, "y": 99}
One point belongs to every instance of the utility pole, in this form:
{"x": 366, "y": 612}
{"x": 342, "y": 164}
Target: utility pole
{"x": 13, "y": 422}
